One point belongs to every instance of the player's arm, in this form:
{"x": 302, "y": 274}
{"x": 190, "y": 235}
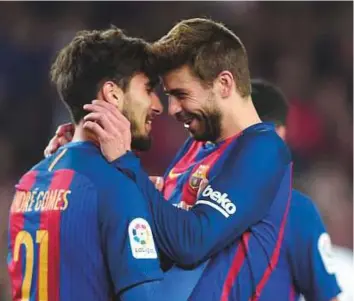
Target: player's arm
{"x": 250, "y": 182}
{"x": 237, "y": 198}
{"x": 126, "y": 237}
{"x": 314, "y": 266}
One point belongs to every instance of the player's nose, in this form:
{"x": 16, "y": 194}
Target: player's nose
{"x": 174, "y": 106}
{"x": 156, "y": 104}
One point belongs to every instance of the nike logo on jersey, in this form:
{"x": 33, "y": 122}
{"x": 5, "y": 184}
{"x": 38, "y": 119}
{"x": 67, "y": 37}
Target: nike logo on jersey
{"x": 173, "y": 175}
{"x": 219, "y": 201}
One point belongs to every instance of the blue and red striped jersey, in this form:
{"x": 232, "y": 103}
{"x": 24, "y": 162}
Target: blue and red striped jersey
{"x": 299, "y": 265}
{"x": 79, "y": 230}
{"x": 240, "y": 271}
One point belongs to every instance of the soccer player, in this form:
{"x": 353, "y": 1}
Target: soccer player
{"x": 307, "y": 246}
{"x": 310, "y": 259}
{"x": 79, "y": 229}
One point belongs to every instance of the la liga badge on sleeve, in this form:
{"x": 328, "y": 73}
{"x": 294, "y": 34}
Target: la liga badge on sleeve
{"x": 141, "y": 239}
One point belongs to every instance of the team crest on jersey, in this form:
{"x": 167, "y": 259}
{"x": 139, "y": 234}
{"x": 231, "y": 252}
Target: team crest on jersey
{"x": 141, "y": 239}
{"x": 199, "y": 175}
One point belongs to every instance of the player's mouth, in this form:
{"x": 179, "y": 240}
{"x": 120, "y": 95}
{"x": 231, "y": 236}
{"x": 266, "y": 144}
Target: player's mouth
{"x": 191, "y": 124}
{"x": 189, "y": 120}
{"x": 187, "y": 123}
{"x": 148, "y": 123}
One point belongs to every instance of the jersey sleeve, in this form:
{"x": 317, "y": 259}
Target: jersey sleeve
{"x": 314, "y": 264}
{"x": 238, "y": 197}
{"x": 127, "y": 239}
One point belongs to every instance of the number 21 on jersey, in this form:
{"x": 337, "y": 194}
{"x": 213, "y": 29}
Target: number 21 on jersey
{"x": 25, "y": 239}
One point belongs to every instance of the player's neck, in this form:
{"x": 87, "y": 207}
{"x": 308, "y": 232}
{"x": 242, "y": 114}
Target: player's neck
{"x": 238, "y": 118}
{"x": 82, "y": 134}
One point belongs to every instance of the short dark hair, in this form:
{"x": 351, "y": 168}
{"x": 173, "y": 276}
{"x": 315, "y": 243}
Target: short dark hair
{"x": 208, "y": 48}
{"x": 269, "y": 101}
{"x": 93, "y": 57}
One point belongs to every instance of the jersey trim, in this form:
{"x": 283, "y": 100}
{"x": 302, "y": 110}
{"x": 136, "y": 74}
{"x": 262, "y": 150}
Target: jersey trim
{"x": 55, "y": 161}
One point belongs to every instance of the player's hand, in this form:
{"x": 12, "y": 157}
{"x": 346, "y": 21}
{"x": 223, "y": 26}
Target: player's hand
{"x": 158, "y": 182}
{"x": 111, "y": 128}
{"x": 63, "y": 135}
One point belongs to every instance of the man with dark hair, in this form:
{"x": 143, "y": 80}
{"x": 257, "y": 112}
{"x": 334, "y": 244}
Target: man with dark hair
{"x": 93, "y": 58}
{"x": 79, "y": 229}
{"x": 270, "y": 103}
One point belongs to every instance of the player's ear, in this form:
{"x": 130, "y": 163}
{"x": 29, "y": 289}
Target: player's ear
{"x": 111, "y": 93}
{"x": 281, "y": 131}
{"x": 224, "y": 84}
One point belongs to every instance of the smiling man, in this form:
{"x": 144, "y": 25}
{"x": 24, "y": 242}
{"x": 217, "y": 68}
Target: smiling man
{"x": 70, "y": 236}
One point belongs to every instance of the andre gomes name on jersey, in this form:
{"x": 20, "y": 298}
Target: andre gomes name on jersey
{"x": 40, "y": 200}
{"x": 219, "y": 201}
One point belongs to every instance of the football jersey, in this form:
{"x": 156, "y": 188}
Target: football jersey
{"x": 303, "y": 254}
{"x": 248, "y": 197}
{"x": 299, "y": 269}
{"x": 78, "y": 230}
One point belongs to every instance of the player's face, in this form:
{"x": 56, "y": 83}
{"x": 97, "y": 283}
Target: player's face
{"x": 141, "y": 105}
{"x": 193, "y": 104}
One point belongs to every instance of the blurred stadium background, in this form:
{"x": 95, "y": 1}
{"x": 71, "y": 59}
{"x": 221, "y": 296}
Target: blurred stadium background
{"x": 304, "y": 47}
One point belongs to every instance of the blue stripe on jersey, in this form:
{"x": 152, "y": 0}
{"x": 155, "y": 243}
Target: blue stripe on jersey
{"x": 79, "y": 263}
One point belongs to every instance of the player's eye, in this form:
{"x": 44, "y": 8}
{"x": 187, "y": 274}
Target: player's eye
{"x": 181, "y": 96}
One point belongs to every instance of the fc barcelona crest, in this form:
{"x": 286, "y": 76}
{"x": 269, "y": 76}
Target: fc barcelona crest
{"x": 199, "y": 175}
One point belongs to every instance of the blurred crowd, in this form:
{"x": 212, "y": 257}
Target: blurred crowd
{"x": 304, "y": 47}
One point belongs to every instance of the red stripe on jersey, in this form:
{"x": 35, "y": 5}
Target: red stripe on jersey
{"x": 236, "y": 265}
{"x": 275, "y": 256}
{"x": 16, "y": 224}
{"x": 292, "y": 294}
{"x": 181, "y": 167}
{"x": 50, "y": 220}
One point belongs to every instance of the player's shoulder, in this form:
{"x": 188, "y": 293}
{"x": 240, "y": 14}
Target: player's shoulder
{"x": 304, "y": 215}
{"x": 86, "y": 161}
{"x": 262, "y": 139}
{"x": 263, "y": 133}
